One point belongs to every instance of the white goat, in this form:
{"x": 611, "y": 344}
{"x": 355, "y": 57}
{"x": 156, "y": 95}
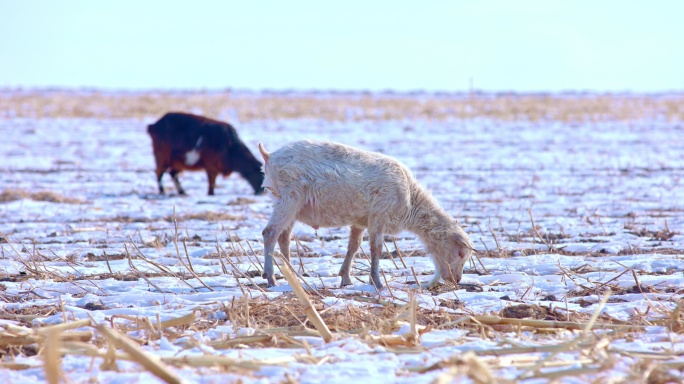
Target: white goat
{"x": 326, "y": 184}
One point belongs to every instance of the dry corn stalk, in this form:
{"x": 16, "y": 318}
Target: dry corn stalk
{"x": 241, "y": 340}
{"x": 466, "y": 364}
{"x": 150, "y": 362}
{"x": 310, "y": 311}
{"x": 52, "y": 357}
{"x": 494, "y": 320}
{"x": 183, "y": 320}
{"x": 17, "y": 335}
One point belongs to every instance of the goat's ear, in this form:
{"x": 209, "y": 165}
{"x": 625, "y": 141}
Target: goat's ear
{"x": 264, "y": 154}
{"x": 458, "y": 240}
{"x": 464, "y": 246}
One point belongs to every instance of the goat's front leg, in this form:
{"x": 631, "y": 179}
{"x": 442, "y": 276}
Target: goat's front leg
{"x": 282, "y": 220}
{"x": 376, "y": 241}
{"x": 433, "y": 281}
{"x": 270, "y": 233}
{"x": 355, "y": 239}
{"x": 211, "y": 179}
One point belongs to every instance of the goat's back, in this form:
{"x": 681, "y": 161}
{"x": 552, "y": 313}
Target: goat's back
{"x": 321, "y": 160}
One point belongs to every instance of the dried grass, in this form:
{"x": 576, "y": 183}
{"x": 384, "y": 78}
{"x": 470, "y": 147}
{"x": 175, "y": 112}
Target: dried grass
{"x": 17, "y": 194}
{"x": 277, "y": 323}
{"x": 209, "y": 216}
{"x": 343, "y": 106}
{"x": 203, "y": 216}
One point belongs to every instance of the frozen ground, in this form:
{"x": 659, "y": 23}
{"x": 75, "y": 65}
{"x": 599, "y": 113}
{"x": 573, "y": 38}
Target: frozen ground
{"x": 85, "y": 234}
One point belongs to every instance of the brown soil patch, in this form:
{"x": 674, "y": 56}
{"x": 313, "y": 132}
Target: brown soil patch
{"x": 525, "y": 311}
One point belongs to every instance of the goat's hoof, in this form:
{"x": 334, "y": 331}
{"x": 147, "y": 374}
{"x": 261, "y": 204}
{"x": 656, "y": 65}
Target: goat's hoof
{"x": 429, "y": 285}
{"x": 378, "y": 286}
{"x": 269, "y": 279}
{"x": 376, "y": 282}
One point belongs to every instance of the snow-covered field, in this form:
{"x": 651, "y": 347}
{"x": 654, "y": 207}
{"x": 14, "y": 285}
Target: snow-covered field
{"x": 561, "y": 214}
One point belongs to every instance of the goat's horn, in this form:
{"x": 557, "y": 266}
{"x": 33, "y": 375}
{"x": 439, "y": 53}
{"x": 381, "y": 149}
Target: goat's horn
{"x": 264, "y": 154}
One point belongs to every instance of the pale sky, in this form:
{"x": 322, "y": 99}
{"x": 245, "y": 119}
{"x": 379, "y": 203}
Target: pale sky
{"x": 502, "y": 45}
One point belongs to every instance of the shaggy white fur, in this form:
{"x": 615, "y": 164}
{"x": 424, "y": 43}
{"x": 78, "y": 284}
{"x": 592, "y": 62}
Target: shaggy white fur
{"x": 326, "y": 184}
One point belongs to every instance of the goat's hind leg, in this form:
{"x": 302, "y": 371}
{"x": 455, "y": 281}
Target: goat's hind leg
{"x": 282, "y": 220}
{"x": 355, "y": 239}
{"x": 284, "y": 242}
{"x": 376, "y": 241}
{"x": 174, "y": 175}
{"x": 162, "y": 163}
{"x": 160, "y": 173}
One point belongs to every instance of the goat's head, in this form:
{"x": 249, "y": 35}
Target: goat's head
{"x": 450, "y": 248}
